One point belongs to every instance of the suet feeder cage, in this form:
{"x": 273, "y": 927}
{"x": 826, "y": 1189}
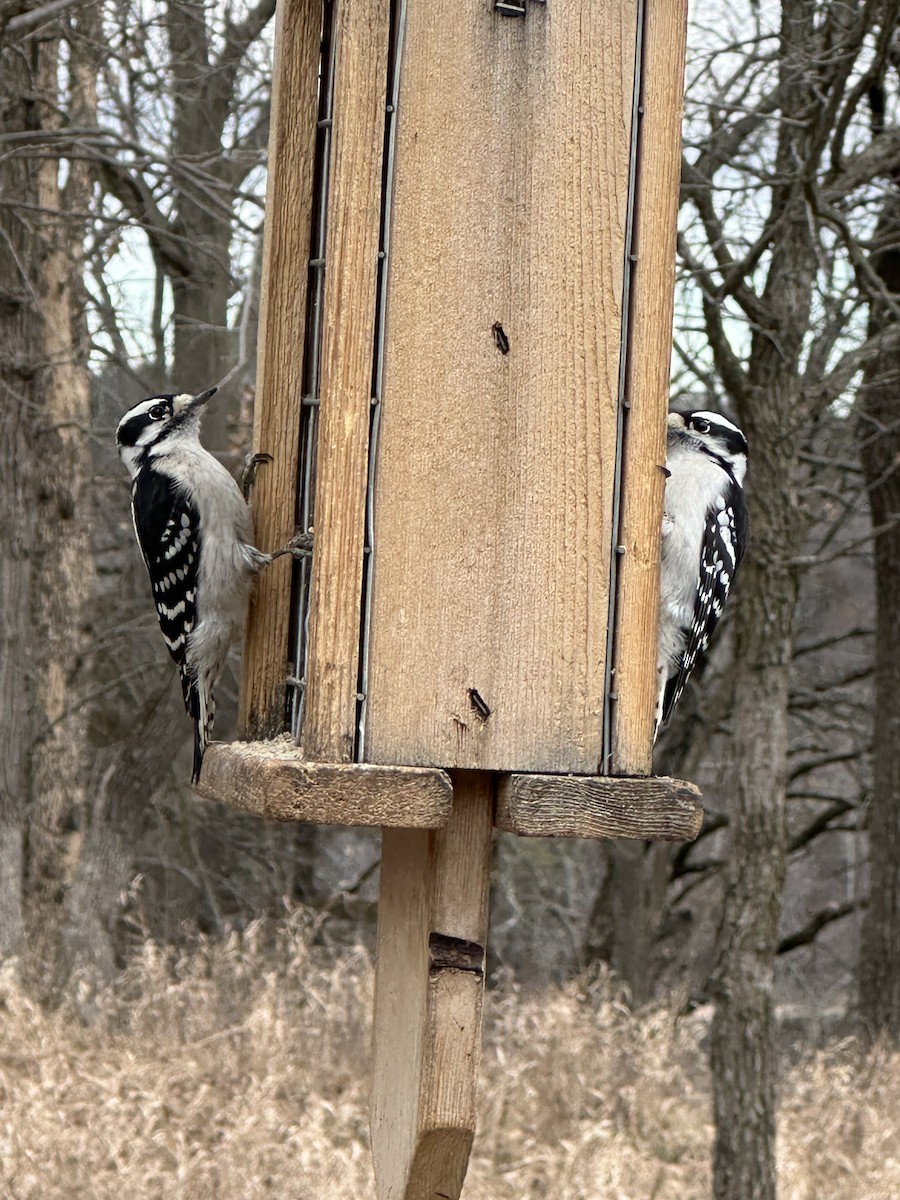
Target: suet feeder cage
{"x": 465, "y": 334}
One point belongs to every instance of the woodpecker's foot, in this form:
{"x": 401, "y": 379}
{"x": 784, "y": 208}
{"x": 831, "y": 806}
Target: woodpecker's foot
{"x": 248, "y": 472}
{"x": 300, "y": 546}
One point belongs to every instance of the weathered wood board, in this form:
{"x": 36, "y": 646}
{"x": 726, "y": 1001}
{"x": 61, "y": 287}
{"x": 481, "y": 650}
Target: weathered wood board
{"x": 493, "y": 496}
{"x": 348, "y": 332}
{"x": 658, "y": 175}
{"x": 649, "y": 809}
{"x": 282, "y": 316}
{"x": 273, "y": 780}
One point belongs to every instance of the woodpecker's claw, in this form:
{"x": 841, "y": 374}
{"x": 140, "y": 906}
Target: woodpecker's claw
{"x": 300, "y": 546}
{"x": 248, "y": 472}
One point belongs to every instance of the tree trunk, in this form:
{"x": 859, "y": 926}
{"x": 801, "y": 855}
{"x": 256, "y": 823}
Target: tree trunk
{"x": 21, "y": 354}
{"x": 775, "y": 413}
{"x": 879, "y": 967}
{"x": 63, "y": 556}
{"x": 743, "y": 1034}
{"x": 98, "y": 868}
{"x": 46, "y": 562}
{"x": 627, "y": 915}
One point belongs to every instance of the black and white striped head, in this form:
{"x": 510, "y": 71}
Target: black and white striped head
{"x": 711, "y": 433}
{"x": 155, "y": 424}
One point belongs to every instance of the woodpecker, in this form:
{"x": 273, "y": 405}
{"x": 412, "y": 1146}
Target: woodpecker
{"x": 704, "y": 536}
{"x": 193, "y": 528}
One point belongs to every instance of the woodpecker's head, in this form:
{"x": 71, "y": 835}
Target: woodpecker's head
{"x": 710, "y": 433}
{"x": 156, "y": 424}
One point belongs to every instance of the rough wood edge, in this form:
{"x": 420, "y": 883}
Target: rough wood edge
{"x": 649, "y": 359}
{"x": 272, "y": 780}
{"x": 652, "y": 808}
{"x": 282, "y": 316}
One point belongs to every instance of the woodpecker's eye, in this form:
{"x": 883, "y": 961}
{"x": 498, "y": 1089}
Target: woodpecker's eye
{"x": 700, "y": 424}
{"x": 159, "y": 412}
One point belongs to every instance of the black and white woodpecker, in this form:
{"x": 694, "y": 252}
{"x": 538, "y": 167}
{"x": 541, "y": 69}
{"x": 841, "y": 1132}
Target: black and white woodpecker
{"x": 704, "y": 536}
{"x": 194, "y": 531}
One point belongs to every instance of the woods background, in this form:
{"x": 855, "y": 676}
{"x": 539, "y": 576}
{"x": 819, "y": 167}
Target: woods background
{"x": 132, "y": 174}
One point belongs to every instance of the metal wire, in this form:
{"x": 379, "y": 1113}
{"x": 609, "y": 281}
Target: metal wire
{"x": 623, "y": 401}
{"x": 309, "y": 416}
{"x": 392, "y": 94}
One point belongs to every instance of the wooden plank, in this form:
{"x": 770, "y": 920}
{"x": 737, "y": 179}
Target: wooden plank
{"x": 348, "y": 330}
{"x": 652, "y": 808}
{"x": 429, "y": 982}
{"x": 493, "y": 502}
{"x": 282, "y": 317}
{"x": 649, "y": 356}
{"x": 273, "y": 780}
{"x": 401, "y": 980}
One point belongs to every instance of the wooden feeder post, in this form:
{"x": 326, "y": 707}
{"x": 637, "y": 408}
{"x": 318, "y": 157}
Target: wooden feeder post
{"x": 465, "y": 335}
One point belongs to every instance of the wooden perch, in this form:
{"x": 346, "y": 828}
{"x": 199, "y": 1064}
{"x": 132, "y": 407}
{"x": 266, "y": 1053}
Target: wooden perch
{"x": 654, "y": 808}
{"x": 273, "y": 780}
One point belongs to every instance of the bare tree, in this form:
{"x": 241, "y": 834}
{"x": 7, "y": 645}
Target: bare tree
{"x": 879, "y": 970}
{"x": 776, "y": 185}
{"x": 47, "y": 556}
{"x": 21, "y": 349}
{"x": 188, "y": 105}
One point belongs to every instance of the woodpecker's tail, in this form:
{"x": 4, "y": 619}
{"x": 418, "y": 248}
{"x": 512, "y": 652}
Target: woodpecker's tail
{"x": 201, "y": 708}
{"x": 199, "y": 747}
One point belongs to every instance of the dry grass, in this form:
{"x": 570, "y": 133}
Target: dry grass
{"x": 239, "y": 1071}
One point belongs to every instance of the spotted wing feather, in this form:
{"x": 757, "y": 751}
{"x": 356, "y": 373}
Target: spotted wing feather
{"x": 167, "y": 524}
{"x": 721, "y": 551}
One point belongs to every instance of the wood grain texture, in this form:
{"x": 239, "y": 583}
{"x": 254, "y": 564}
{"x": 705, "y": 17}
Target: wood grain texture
{"x": 647, "y": 386}
{"x": 651, "y": 808}
{"x": 348, "y": 331}
{"x": 273, "y": 780}
{"x": 282, "y": 318}
{"x": 493, "y": 494}
{"x": 427, "y": 1039}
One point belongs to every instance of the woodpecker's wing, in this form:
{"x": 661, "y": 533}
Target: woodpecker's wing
{"x": 721, "y": 551}
{"x": 167, "y": 527}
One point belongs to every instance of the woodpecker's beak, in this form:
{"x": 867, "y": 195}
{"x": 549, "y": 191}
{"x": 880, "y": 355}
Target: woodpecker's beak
{"x": 201, "y": 398}
{"x": 675, "y": 421}
{"x": 186, "y": 405}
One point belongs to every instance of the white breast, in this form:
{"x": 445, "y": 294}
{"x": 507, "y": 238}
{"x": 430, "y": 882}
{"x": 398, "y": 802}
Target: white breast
{"x": 696, "y": 483}
{"x": 228, "y": 559}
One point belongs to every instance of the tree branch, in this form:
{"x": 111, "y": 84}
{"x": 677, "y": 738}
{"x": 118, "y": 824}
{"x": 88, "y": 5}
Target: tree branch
{"x": 727, "y": 362}
{"x": 27, "y": 20}
{"x": 809, "y": 932}
{"x": 136, "y": 198}
{"x": 239, "y": 37}
{"x": 821, "y": 824}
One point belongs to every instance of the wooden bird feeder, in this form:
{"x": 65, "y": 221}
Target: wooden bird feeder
{"x": 465, "y": 334}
